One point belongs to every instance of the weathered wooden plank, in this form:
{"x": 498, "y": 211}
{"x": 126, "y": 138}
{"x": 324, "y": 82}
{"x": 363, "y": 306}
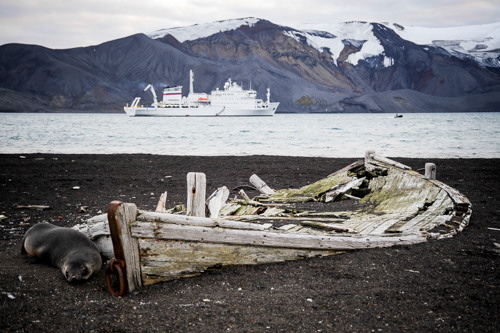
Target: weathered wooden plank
{"x": 331, "y": 194}
{"x": 398, "y": 192}
{"x": 167, "y": 260}
{"x": 288, "y": 199}
{"x": 260, "y": 185}
{"x": 350, "y": 167}
{"x": 339, "y": 215}
{"x": 247, "y": 210}
{"x": 97, "y": 230}
{"x": 217, "y": 200}
{"x": 381, "y": 226}
{"x": 272, "y": 211}
{"x": 229, "y": 209}
{"x": 266, "y": 238}
{"x": 457, "y": 197}
{"x": 286, "y": 218}
{"x": 390, "y": 162}
{"x": 287, "y": 227}
{"x": 309, "y": 192}
{"x": 196, "y": 193}
{"x": 197, "y": 221}
{"x": 422, "y": 221}
{"x": 321, "y": 225}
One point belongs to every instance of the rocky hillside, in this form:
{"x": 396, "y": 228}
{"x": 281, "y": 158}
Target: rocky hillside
{"x": 343, "y": 67}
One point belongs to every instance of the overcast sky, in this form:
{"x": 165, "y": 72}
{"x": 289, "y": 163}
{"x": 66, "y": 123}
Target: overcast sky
{"x": 70, "y": 23}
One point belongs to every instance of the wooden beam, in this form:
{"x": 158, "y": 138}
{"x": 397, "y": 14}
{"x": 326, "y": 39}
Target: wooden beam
{"x": 126, "y": 247}
{"x": 268, "y": 238}
{"x": 261, "y": 185}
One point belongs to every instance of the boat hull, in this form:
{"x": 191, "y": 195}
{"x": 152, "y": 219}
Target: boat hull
{"x": 207, "y": 111}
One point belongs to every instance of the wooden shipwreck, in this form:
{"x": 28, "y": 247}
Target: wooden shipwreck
{"x": 396, "y": 206}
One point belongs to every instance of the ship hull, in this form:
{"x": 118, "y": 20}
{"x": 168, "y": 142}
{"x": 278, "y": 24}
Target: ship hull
{"x": 207, "y": 111}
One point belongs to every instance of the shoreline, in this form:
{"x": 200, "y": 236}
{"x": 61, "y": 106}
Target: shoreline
{"x": 438, "y": 285}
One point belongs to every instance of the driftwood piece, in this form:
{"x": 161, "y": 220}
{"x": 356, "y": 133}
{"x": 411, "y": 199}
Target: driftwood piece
{"x": 37, "y": 207}
{"x": 217, "y": 200}
{"x": 160, "y": 208}
{"x": 196, "y": 193}
{"x": 260, "y": 185}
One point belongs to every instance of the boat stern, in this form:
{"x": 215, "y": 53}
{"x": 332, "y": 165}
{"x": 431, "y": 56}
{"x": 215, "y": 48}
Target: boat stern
{"x": 131, "y": 110}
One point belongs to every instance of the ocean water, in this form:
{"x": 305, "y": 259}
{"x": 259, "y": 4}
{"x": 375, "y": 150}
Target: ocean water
{"x": 438, "y": 135}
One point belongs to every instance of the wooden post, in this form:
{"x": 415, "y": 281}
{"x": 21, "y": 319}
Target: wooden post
{"x": 368, "y": 155}
{"x": 430, "y": 171}
{"x": 126, "y": 247}
{"x": 196, "y": 193}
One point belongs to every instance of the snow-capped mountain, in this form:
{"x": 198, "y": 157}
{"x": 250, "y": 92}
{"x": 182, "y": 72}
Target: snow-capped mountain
{"x": 336, "y": 67}
{"x": 480, "y": 43}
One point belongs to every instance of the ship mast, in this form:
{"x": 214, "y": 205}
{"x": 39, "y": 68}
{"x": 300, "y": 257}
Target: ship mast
{"x": 191, "y": 81}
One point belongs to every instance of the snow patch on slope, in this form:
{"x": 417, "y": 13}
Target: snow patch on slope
{"x": 196, "y": 31}
{"x": 479, "y": 42}
{"x": 351, "y": 32}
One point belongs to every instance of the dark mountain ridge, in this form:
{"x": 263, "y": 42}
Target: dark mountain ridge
{"x": 405, "y": 77}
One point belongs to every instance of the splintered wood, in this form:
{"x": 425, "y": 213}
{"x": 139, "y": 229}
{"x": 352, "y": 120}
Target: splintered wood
{"x": 397, "y": 206}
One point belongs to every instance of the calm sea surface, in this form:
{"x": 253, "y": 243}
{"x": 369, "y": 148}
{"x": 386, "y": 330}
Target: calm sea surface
{"x": 446, "y": 135}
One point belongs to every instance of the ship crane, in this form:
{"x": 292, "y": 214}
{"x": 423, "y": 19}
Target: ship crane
{"x": 155, "y": 104}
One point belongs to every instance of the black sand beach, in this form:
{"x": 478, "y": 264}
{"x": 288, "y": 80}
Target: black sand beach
{"x": 446, "y": 285}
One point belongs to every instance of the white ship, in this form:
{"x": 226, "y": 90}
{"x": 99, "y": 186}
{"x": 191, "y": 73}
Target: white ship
{"x": 230, "y": 102}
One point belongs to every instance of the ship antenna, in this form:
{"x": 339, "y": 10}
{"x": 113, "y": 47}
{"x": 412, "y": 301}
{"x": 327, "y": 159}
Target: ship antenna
{"x": 191, "y": 81}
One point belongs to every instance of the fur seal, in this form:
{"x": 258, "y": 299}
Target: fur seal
{"x": 67, "y": 249}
